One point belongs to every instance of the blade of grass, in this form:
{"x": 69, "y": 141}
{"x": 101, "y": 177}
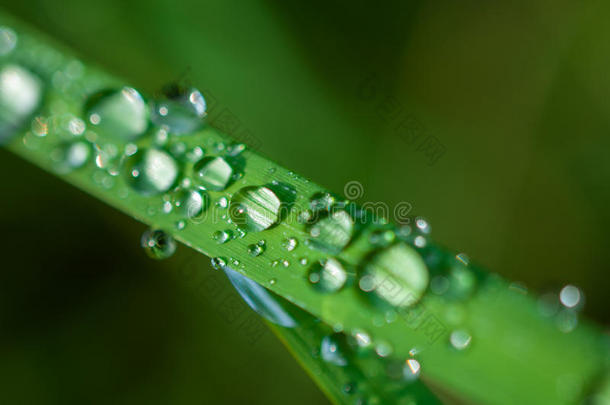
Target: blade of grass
{"x": 516, "y": 354}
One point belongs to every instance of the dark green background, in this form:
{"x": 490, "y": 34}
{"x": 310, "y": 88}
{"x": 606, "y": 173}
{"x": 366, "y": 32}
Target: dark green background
{"x": 518, "y": 94}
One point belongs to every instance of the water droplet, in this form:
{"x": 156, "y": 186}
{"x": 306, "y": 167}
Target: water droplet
{"x": 236, "y": 149}
{"x": 70, "y": 156}
{"x": 305, "y": 216}
{"x": 20, "y": 97}
{"x": 332, "y": 350}
{"x": 567, "y": 320}
{"x": 332, "y": 233}
{"x": 255, "y": 208}
{"x": 256, "y": 249}
{"x": 191, "y": 202}
{"x": 180, "y": 225}
{"x": 8, "y": 40}
{"x": 222, "y": 236}
{"x": 570, "y": 296}
{"x": 290, "y": 244}
{"x": 396, "y": 275}
{"x": 181, "y": 111}
{"x": 223, "y": 202}
{"x": 383, "y": 349}
{"x": 219, "y": 263}
{"x": 420, "y": 241}
{"x": 120, "y": 114}
{"x": 411, "y": 369}
{"x": 272, "y": 281}
{"x": 158, "y": 244}
{"x": 382, "y": 237}
{"x": 422, "y": 225}
{"x": 195, "y": 154}
{"x": 362, "y": 338}
{"x": 267, "y": 304}
{"x": 463, "y": 257}
{"x": 303, "y": 261}
{"x": 460, "y": 339}
{"x": 322, "y": 201}
{"x": 213, "y": 173}
{"x": 150, "y": 171}
{"x": 328, "y": 275}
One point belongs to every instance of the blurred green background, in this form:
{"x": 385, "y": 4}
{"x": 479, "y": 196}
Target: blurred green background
{"x": 517, "y": 95}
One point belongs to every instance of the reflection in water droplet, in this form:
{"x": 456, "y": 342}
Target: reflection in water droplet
{"x": 158, "y": 244}
{"x": 150, "y": 171}
{"x": 255, "y": 208}
{"x": 70, "y": 156}
{"x": 256, "y": 249}
{"x": 213, "y": 173}
{"x": 8, "y": 40}
{"x": 120, "y": 114}
{"x": 460, "y": 339}
{"x": 332, "y": 350}
{"x": 20, "y": 96}
{"x": 332, "y": 233}
{"x": 267, "y": 304}
{"x": 327, "y": 275}
{"x": 396, "y": 275}
{"x": 181, "y": 111}
{"x": 191, "y": 202}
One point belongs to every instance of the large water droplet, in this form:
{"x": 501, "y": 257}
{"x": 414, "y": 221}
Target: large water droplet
{"x": 333, "y": 232}
{"x": 20, "y": 96}
{"x": 181, "y": 112}
{"x": 396, "y": 275}
{"x": 268, "y": 305}
{"x": 327, "y": 275}
{"x": 213, "y": 173}
{"x": 150, "y": 171}
{"x": 255, "y": 208}
{"x": 191, "y": 202}
{"x": 332, "y": 349}
{"x": 70, "y": 156}
{"x": 120, "y": 114}
{"x": 158, "y": 244}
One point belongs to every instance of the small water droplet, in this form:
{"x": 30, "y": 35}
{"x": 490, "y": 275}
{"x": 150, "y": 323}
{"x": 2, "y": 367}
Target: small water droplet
{"x": 460, "y": 339}
{"x": 236, "y": 149}
{"x": 362, "y": 338}
{"x": 256, "y": 249}
{"x": 180, "y": 225}
{"x": 411, "y": 369}
{"x": 567, "y": 320}
{"x": 570, "y": 296}
{"x": 422, "y": 225}
{"x": 303, "y": 261}
{"x": 181, "y": 111}
{"x": 219, "y": 263}
{"x": 70, "y": 156}
{"x": 195, "y": 154}
{"x": 191, "y": 202}
{"x": 150, "y": 171}
{"x": 255, "y": 208}
{"x": 383, "y": 349}
{"x": 222, "y": 236}
{"x": 8, "y": 40}
{"x": 272, "y": 281}
{"x": 158, "y": 244}
{"x": 223, "y": 202}
{"x": 20, "y": 97}
{"x": 120, "y": 114}
{"x": 396, "y": 275}
{"x": 328, "y": 275}
{"x": 332, "y": 350}
{"x": 382, "y": 237}
{"x": 290, "y": 244}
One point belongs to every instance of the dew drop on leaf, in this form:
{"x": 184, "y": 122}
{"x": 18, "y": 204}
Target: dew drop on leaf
{"x": 20, "y": 96}
{"x": 158, "y": 244}
{"x": 327, "y": 275}
{"x": 120, "y": 114}
{"x": 181, "y": 111}
{"x": 255, "y": 208}
{"x": 150, "y": 171}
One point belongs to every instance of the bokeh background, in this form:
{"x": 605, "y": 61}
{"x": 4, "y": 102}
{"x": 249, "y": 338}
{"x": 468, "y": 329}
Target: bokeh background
{"x": 517, "y": 95}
